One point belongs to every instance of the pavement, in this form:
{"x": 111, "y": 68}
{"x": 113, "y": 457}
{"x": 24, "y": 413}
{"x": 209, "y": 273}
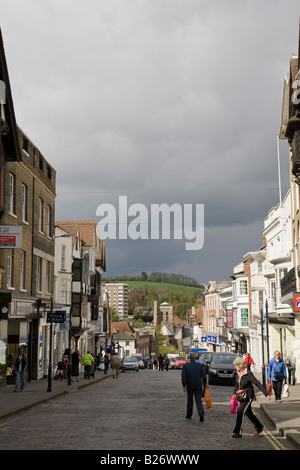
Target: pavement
{"x": 284, "y": 416}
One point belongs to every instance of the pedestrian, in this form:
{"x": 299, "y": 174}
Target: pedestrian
{"x": 76, "y": 360}
{"x": 249, "y": 361}
{"x": 20, "y": 368}
{"x": 115, "y": 363}
{"x": 65, "y": 360}
{"x": 277, "y": 374}
{"x": 291, "y": 366}
{"x": 88, "y": 362}
{"x": 106, "y": 363}
{"x": 155, "y": 363}
{"x": 160, "y": 362}
{"x": 167, "y": 363}
{"x": 193, "y": 378}
{"x": 244, "y": 381}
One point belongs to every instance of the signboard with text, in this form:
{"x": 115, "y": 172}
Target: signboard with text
{"x": 229, "y": 318}
{"x": 10, "y": 236}
{"x": 58, "y": 316}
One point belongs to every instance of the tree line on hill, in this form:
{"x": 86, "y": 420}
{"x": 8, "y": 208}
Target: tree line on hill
{"x": 169, "y": 278}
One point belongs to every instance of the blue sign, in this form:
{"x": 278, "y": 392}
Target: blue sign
{"x": 58, "y": 316}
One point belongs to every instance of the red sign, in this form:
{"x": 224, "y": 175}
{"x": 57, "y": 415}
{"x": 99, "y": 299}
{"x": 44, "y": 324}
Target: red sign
{"x": 229, "y": 318}
{"x": 297, "y": 302}
{"x": 7, "y": 240}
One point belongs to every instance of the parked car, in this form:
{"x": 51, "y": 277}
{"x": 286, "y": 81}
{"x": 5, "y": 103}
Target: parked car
{"x": 139, "y": 358}
{"x": 221, "y": 368}
{"x": 180, "y": 361}
{"x": 129, "y": 363}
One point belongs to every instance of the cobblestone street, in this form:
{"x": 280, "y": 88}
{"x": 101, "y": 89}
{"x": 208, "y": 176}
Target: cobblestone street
{"x": 137, "y": 411}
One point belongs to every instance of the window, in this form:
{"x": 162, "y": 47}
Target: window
{"x": 63, "y": 257}
{"x": 49, "y": 231}
{"x": 12, "y": 194}
{"x": 9, "y": 269}
{"x": 41, "y": 163}
{"x": 41, "y": 205}
{"x": 22, "y": 270}
{"x": 49, "y": 173}
{"x": 243, "y": 287}
{"x": 24, "y": 202}
{"x": 63, "y": 291}
{"x": 244, "y": 317}
{"x": 39, "y": 275}
{"x": 48, "y": 276}
{"x": 25, "y": 146}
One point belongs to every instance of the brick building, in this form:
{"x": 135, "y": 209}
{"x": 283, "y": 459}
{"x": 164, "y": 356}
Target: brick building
{"x": 26, "y": 259}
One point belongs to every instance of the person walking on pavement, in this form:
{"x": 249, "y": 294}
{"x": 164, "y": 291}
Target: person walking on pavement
{"x": 244, "y": 381}
{"x": 106, "y": 363}
{"x": 20, "y": 368}
{"x": 115, "y": 363}
{"x": 167, "y": 363}
{"x": 277, "y": 374}
{"x": 249, "y": 361}
{"x": 76, "y": 360}
{"x": 193, "y": 378}
{"x": 291, "y": 366}
{"x": 88, "y": 362}
{"x": 160, "y": 362}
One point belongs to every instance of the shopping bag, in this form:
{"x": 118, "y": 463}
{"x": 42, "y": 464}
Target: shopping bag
{"x": 269, "y": 388}
{"x": 285, "y": 391}
{"x": 234, "y": 404}
{"x": 208, "y": 400}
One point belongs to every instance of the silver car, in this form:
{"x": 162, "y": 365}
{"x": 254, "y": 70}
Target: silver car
{"x": 129, "y": 363}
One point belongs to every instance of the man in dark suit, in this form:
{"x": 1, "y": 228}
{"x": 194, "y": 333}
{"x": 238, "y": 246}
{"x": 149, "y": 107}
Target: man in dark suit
{"x": 193, "y": 377}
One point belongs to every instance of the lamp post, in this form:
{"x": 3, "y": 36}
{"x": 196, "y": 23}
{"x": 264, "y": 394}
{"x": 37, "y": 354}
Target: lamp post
{"x": 267, "y": 331}
{"x": 70, "y": 337}
{"x": 262, "y": 343}
{"x": 49, "y": 389}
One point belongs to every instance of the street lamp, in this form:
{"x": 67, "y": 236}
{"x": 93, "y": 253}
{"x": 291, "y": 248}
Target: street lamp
{"x": 49, "y": 389}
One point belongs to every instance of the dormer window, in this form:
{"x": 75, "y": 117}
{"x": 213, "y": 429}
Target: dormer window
{"x": 25, "y": 146}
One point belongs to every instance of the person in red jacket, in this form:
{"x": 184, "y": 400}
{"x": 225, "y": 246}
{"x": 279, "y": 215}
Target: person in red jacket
{"x": 249, "y": 361}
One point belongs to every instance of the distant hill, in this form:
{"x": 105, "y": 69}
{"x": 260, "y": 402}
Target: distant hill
{"x": 156, "y": 277}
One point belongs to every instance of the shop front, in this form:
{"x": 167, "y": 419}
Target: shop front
{"x": 19, "y": 329}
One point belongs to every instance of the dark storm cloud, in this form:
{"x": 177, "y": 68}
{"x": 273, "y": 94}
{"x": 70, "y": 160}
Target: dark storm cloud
{"x": 174, "y": 101}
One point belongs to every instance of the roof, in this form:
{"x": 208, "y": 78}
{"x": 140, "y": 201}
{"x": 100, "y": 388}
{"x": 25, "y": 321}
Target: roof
{"x": 87, "y": 233}
{"x": 10, "y": 138}
{"x": 122, "y": 327}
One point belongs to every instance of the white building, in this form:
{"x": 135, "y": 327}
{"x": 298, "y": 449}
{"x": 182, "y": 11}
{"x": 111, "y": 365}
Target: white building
{"x": 117, "y": 295}
{"x": 240, "y": 305}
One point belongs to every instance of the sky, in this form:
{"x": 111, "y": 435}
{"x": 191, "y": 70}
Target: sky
{"x": 161, "y": 102}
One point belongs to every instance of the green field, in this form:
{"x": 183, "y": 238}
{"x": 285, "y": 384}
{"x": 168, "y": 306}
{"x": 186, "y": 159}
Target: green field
{"x": 190, "y": 291}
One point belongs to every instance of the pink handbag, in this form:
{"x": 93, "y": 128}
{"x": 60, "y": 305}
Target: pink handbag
{"x": 234, "y": 405}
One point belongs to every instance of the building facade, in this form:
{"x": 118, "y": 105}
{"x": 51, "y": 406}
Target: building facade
{"x": 117, "y": 295}
{"x": 27, "y": 212}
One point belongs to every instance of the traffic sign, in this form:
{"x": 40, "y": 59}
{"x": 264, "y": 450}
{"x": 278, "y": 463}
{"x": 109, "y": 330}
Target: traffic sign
{"x": 296, "y": 302}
